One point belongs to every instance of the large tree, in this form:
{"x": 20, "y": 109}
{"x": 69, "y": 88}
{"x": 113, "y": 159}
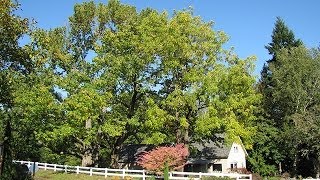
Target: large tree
{"x": 135, "y": 77}
{"x": 282, "y": 38}
{"x": 267, "y": 153}
{"x": 63, "y": 55}
{"x": 173, "y": 80}
{"x": 198, "y": 80}
{"x": 297, "y": 84}
{"x": 14, "y": 63}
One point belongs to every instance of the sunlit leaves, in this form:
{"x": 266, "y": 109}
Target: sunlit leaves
{"x": 128, "y": 76}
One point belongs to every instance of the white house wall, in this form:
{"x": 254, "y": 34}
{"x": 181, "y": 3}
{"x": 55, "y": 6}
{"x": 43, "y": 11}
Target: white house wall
{"x": 238, "y": 156}
{"x": 223, "y": 162}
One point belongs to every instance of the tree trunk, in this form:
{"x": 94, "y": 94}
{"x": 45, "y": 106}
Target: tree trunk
{"x": 280, "y": 168}
{"x": 87, "y": 159}
{"x": 178, "y": 131}
{"x": 115, "y": 158}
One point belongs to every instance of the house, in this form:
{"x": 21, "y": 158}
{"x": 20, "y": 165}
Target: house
{"x": 204, "y": 157}
{"x": 215, "y": 156}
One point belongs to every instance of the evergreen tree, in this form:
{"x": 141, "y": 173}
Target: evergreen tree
{"x": 282, "y": 37}
{"x": 268, "y": 154}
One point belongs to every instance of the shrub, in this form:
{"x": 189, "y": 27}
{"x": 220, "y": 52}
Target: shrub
{"x": 157, "y": 159}
{"x": 16, "y": 171}
{"x": 240, "y": 170}
{"x": 256, "y": 176}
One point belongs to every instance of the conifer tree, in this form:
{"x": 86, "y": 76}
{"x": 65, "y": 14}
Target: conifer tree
{"x": 282, "y": 37}
{"x": 267, "y": 155}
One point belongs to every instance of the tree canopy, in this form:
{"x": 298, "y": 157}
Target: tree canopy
{"x": 288, "y": 85}
{"x": 116, "y": 75}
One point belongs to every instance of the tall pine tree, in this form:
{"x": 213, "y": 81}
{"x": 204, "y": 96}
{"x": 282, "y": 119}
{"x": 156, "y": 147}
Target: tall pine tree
{"x": 267, "y": 155}
{"x": 282, "y": 37}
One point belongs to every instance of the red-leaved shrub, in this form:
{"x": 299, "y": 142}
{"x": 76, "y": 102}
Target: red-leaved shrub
{"x": 155, "y": 160}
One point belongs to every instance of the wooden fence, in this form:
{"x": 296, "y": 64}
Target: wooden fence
{"x": 143, "y": 174}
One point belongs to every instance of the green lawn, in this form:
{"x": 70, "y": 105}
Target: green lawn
{"x": 51, "y": 175}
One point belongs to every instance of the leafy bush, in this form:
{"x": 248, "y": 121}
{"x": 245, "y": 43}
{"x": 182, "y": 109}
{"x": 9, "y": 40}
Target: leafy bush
{"x": 156, "y": 160}
{"x": 240, "y": 170}
{"x": 256, "y": 176}
{"x": 17, "y": 172}
{"x": 48, "y": 156}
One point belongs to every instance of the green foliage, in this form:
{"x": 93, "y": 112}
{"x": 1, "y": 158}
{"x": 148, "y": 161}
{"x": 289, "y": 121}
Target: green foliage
{"x": 282, "y": 38}
{"x": 299, "y": 88}
{"x": 268, "y": 150}
{"x": 297, "y": 83}
{"x": 289, "y": 85}
{"x": 16, "y": 172}
{"x": 47, "y": 155}
{"x": 14, "y": 63}
{"x": 115, "y": 75}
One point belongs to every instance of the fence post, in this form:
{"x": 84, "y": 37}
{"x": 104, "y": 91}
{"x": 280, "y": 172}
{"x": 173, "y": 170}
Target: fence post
{"x": 54, "y": 167}
{"x": 170, "y": 175}
{"x": 35, "y": 164}
{"x": 77, "y": 169}
{"x": 45, "y": 166}
{"x": 123, "y": 173}
{"x": 143, "y": 175}
{"x": 106, "y": 172}
{"x": 65, "y": 168}
{"x": 250, "y": 176}
{"x": 90, "y": 171}
{"x": 200, "y": 175}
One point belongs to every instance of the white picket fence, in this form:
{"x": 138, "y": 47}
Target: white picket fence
{"x": 130, "y": 173}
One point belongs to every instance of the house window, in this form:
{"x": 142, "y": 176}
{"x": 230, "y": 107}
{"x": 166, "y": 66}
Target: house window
{"x": 235, "y": 149}
{"x": 217, "y": 167}
{"x": 233, "y": 165}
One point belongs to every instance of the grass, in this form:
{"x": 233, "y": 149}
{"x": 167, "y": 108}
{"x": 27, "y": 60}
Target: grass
{"x": 51, "y": 175}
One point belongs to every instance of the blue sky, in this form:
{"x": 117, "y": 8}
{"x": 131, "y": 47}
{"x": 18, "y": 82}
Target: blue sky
{"x": 248, "y": 23}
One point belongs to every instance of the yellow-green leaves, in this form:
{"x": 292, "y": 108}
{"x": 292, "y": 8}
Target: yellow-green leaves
{"x": 138, "y": 77}
{"x": 156, "y": 117}
{"x": 232, "y": 100}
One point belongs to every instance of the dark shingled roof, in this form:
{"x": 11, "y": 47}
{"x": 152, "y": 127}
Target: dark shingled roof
{"x": 130, "y": 152}
{"x": 200, "y": 152}
{"x": 204, "y": 152}
{"x": 211, "y": 150}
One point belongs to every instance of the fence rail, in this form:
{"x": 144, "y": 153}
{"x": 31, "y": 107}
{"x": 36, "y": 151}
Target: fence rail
{"x": 130, "y": 173}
